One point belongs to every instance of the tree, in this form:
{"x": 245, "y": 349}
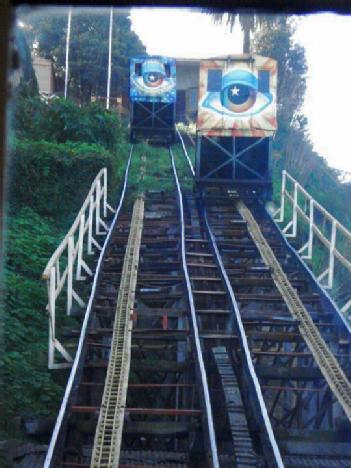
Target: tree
{"x": 275, "y": 39}
{"x": 28, "y": 83}
{"x": 248, "y": 23}
{"x": 88, "y": 59}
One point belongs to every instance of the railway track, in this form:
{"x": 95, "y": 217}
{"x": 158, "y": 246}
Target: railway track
{"x": 308, "y": 417}
{"x": 213, "y": 368}
{"x": 325, "y": 359}
{"x": 214, "y": 315}
{"x": 167, "y": 430}
{"x": 161, "y": 409}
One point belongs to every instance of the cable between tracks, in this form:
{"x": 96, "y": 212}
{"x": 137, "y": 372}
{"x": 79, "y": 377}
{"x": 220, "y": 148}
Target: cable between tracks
{"x": 210, "y": 423}
{"x": 243, "y": 338}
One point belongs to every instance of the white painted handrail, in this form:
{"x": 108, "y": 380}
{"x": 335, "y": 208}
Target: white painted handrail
{"x": 67, "y": 262}
{"x": 308, "y": 210}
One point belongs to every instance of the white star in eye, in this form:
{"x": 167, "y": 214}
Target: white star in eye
{"x": 235, "y": 91}
{"x": 152, "y": 77}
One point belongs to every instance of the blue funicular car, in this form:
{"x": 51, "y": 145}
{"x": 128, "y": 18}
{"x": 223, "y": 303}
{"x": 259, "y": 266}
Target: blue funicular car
{"x": 153, "y": 98}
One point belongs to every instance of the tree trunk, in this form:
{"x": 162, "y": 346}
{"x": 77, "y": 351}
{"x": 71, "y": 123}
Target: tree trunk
{"x": 247, "y": 41}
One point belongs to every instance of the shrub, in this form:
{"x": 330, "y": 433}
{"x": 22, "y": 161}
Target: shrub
{"x": 28, "y": 387}
{"x": 62, "y": 120}
{"x": 54, "y": 178}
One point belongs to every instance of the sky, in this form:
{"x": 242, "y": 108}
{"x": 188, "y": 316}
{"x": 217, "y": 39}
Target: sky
{"x": 325, "y": 37}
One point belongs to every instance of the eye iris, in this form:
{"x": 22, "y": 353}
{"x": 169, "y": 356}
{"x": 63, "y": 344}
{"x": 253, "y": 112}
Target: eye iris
{"x": 238, "y": 94}
{"x": 153, "y": 79}
{"x": 238, "y": 97}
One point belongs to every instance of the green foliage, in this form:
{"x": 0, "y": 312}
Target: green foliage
{"x": 150, "y": 170}
{"x": 62, "y": 120}
{"x": 293, "y": 149}
{"x": 29, "y": 239}
{"x": 275, "y": 39}
{"x": 28, "y": 387}
{"x": 28, "y": 79}
{"x": 248, "y": 23}
{"x": 89, "y": 48}
{"x": 56, "y": 152}
{"x": 182, "y": 165}
{"x": 34, "y": 392}
{"x": 52, "y": 178}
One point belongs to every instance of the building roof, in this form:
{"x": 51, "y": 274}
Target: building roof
{"x": 194, "y": 61}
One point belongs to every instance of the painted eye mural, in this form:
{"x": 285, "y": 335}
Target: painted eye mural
{"x": 153, "y": 73}
{"x": 238, "y": 93}
{"x": 237, "y": 96}
{"x": 152, "y": 79}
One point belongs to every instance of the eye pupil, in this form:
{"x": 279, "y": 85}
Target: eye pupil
{"x": 153, "y": 77}
{"x": 239, "y": 94}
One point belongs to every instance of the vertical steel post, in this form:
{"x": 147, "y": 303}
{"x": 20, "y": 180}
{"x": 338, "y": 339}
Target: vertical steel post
{"x": 70, "y": 274}
{"x": 310, "y": 234}
{"x": 58, "y": 274}
{"x": 80, "y": 247}
{"x": 97, "y": 207}
{"x": 331, "y": 255}
{"x": 294, "y": 218}
{"x": 282, "y": 198}
{"x": 294, "y": 230}
{"x": 105, "y": 192}
{"x": 90, "y": 226}
{"x": 52, "y": 301}
{"x": 68, "y": 36}
{"x": 109, "y": 61}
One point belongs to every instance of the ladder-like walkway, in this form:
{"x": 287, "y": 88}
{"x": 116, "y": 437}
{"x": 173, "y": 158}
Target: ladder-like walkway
{"x": 322, "y": 354}
{"x": 108, "y": 433}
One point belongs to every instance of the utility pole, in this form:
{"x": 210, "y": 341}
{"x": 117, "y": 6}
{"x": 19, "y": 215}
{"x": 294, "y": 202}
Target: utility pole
{"x": 109, "y": 61}
{"x": 67, "y": 48}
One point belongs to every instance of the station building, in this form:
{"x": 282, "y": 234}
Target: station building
{"x": 187, "y": 84}
{"x": 44, "y": 73}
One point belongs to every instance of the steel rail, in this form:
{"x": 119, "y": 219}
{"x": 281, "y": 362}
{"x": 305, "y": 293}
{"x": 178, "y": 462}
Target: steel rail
{"x": 209, "y": 415}
{"x": 329, "y": 366}
{"x": 186, "y": 153}
{"x": 108, "y": 435}
{"x": 50, "y": 453}
{"x": 247, "y": 355}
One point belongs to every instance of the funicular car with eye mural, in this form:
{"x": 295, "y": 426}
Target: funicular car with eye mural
{"x": 236, "y": 122}
{"x": 152, "y": 97}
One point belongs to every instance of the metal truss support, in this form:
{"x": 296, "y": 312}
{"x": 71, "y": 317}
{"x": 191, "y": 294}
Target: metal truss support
{"x": 152, "y": 114}
{"x": 232, "y": 157}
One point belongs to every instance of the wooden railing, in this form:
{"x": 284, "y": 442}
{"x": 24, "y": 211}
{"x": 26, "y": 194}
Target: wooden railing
{"x": 67, "y": 265}
{"x": 320, "y": 224}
